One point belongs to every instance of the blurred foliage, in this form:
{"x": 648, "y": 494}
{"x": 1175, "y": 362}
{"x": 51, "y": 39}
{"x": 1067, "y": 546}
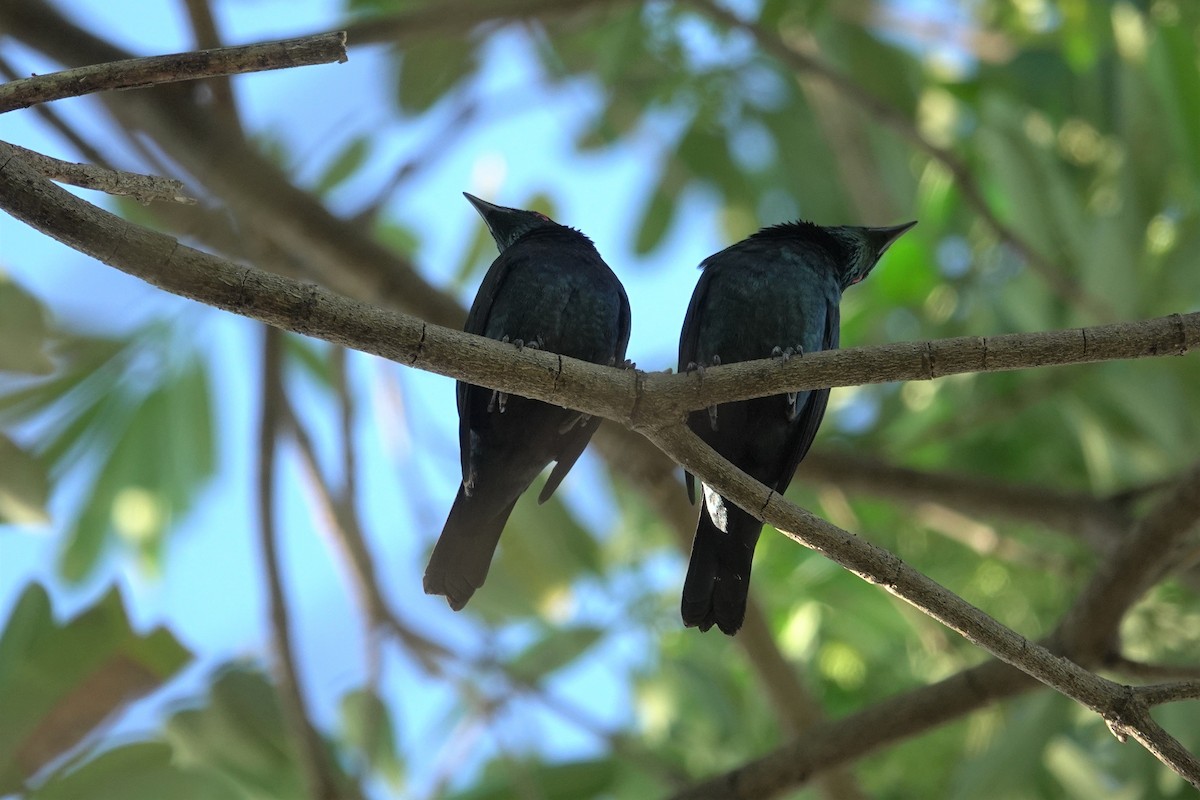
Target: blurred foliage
{"x": 1080, "y": 124}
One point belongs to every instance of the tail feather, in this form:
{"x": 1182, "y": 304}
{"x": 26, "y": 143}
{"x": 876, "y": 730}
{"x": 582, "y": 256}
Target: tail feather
{"x": 463, "y": 553}
{"x": 718, "y": 579}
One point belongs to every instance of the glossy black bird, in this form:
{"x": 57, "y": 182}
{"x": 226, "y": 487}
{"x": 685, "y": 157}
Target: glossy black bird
{"x": 548, "y": 289}
{"x": 775, "y": 293}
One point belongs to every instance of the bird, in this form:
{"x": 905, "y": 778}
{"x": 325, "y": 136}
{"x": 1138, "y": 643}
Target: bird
{"x": 549, "y": 289}
{"x": 775, "y": 293}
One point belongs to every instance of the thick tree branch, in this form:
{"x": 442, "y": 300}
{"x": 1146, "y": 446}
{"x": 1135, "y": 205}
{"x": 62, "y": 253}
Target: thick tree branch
{"x": 136, "y": 73}
{"x": 636, "y": 399}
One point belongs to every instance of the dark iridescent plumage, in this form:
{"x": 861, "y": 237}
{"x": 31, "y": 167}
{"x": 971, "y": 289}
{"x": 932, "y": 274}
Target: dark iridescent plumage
{"x": 777, "y": 292}
{"x": 549, "y": 289}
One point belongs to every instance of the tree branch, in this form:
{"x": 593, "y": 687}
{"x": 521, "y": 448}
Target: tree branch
{"x": 279, "y": 301}
{"x": 204, "y": 29}
{"x": 1138, "y": 561}
{"x": 878, "y": 566}
{"x": 135, "y": 73}
{"x": 333, "y": 249}
{"x": 636, "y": 399}
{"x": 143, "y": 188}
{"x": 1099, "y": 521}
{"x": 311, "y": 757}
{"x": 830, "y": 744}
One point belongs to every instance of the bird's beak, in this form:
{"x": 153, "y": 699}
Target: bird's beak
{"x": 486, "y": 210}
{"x": 883, "y": 238}
{"x": 493, "y": 216}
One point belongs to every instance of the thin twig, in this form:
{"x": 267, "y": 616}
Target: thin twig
{"x": 137, "y": 73}
{"x": 1161, "y": 693}
{"x": 1144, "y": 671}
{"x": 312, "y": 758}
{"x": 143, "y": 188}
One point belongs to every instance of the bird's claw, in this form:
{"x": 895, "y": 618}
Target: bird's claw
{"x": 783, "y": 354}
{"x": 712, "y": 417}
{"x": 498, "y": 400}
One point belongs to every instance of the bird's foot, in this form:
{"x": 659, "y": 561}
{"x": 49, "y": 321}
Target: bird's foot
{"x": 577, "y": 419}
{"x": 499, "y": 400}
{"x": 783, "y": 354}
{"x": 712, "y": 417}
{"x": 716, "y": 361}
{"x": 625, "y": 364}
{"x": 693, "y": 366}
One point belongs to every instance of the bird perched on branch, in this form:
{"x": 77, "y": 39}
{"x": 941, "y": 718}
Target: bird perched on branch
{"x": 548, "y": 289}
{"x": 774, "y": 294}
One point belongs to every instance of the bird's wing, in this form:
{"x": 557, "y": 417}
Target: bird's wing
{"x": 809, "y": 418}
{"x": 477, "y": 319}
{"x": 573, "y": 443}
{"x": 623, "y": 325}
{"x": 689, "y": 336}
{"x": 574, "y": 440}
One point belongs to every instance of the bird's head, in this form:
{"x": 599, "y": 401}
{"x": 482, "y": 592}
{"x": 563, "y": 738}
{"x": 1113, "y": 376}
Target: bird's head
{"x": 863, "y": 247}
{"x": 509, "y": 224}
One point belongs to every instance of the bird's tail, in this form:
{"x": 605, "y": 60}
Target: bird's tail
{"x": 464, "y": 551}
{"x": 718, "y": 578}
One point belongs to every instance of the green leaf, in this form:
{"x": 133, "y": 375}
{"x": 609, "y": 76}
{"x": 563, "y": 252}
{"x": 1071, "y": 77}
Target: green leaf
{"x": 23, "y": 331}
{"x": 554, "y": 651}
{"x": 240, "y": 733}
{"x": 367, "y": 726}
{"x": 571, "y": 780}
{"x": 345, "y": 164}
{"x": 59, "y": 681}
{"x": 142, "y": 771}
{"x": 430, "y": 68}
{"x": 656, "y": 220}
{"x": 24, "y": 486}
{"x": 161, "y": 452}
